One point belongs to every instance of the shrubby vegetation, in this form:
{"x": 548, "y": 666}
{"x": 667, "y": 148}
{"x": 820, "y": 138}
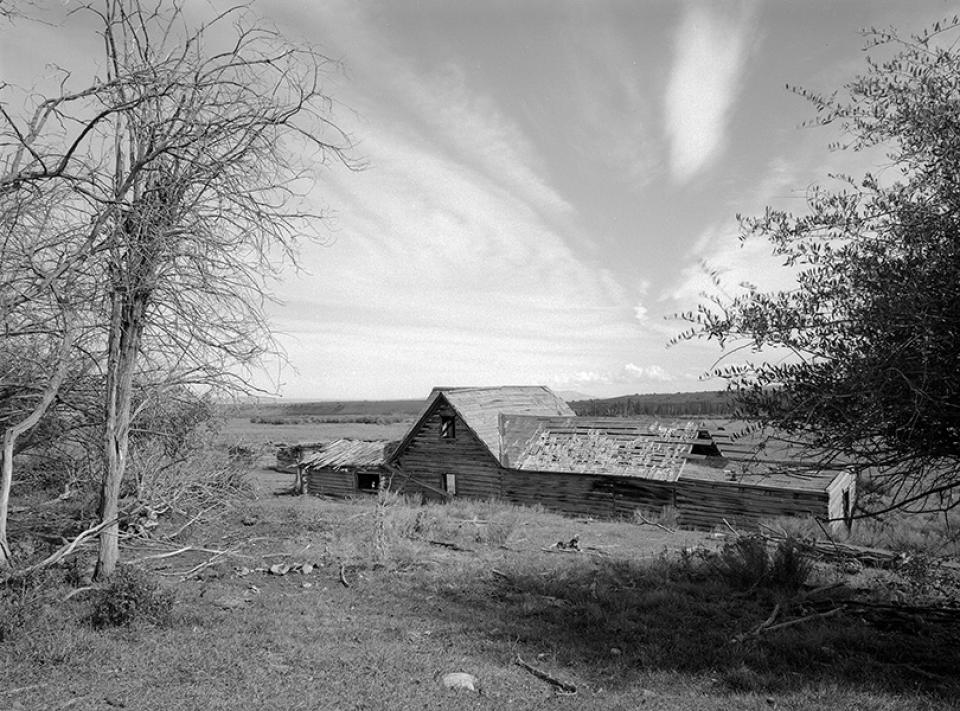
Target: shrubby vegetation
{"x": 872, "y": 328}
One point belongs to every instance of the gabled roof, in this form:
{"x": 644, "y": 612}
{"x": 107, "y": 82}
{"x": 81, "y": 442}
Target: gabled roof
{"x": 607, "y": 445}
{"x": 347, "y": 453}
{"x": 480, "y": 408}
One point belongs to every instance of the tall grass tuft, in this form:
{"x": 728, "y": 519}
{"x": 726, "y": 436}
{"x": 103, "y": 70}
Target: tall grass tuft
{"x": 746, "y": 564}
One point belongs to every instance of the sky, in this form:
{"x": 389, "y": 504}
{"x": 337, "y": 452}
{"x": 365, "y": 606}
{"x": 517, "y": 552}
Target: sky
{"x": 544, "y": 181}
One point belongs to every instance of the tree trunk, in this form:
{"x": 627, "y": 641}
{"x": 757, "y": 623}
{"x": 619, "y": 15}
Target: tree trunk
{"x": 12, "y": 433}
{"x": 126, "y": 328}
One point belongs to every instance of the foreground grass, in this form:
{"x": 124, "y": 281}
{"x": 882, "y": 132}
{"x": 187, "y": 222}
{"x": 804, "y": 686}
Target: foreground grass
{"x": 630, "y": 619}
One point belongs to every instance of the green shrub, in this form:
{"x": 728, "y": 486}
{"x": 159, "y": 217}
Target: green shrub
{"x": 131, "y": 596}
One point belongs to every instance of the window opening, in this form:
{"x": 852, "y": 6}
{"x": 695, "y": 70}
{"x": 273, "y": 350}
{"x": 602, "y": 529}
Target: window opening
{"x": 368, "y": 482}
{"x": 447, "y": 427}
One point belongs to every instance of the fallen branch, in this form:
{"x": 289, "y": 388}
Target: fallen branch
{"x": 563, "y": 686}
{"x": 168, "y": 554}
{"x": 61, "y": 553}
{"x": 21, "y": 688}
{"x": 764, "y": 628}
{"x": 343, "y": 576}
{"x": 759, "y": 628}
{"x": 74, "y": 593}
{"x": 451, "y": 546}
{"x": 648, "y": 522}
{"x": 189, "y": 523}
{"x": 206, "y": 564}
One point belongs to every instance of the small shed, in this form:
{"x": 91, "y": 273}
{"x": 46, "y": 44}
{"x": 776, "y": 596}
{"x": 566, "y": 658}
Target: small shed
{"x": 344, "y": 467}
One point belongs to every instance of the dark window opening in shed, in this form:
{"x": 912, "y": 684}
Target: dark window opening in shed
{"x": 448, "y": 426}
{"x": 368, "y": 482}
{"x": 450, "y": 484}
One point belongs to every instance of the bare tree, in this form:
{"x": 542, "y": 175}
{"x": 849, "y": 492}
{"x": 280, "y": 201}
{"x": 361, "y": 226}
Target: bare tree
{"x": 186, "y": 166}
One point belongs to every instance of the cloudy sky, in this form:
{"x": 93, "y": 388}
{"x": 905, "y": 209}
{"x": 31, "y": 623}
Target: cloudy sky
{"x": 544, "y": 180}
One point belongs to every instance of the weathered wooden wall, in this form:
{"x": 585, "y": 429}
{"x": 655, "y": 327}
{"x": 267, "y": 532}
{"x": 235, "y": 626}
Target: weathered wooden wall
{"x": 705, "y": 504}
{"x": 586, "y": 494}
{"x": 577, "y": 494}
{"x": 845, "y": 482}
{"x": 426, "y": 457}
{"x": 326, "y": 481}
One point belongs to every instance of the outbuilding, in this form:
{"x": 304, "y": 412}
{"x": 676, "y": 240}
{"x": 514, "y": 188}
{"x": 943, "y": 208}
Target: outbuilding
{"x": 344, "y": 467}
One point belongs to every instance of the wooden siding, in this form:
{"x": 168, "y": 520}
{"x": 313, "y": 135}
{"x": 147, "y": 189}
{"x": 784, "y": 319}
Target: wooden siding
{"x": 845, "y": 482}
{"x": 577, "y": 494}
{"x": 327, "y": 481}
{"x": 586, "y": 494}
{"x": 651, "y": 496}
{"x": 705, "y": 504}
{"x": 426, "y": 456}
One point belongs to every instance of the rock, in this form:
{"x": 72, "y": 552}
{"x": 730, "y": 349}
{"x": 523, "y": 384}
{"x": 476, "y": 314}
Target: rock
{"x": 306, "y": 568}
{"x": 279, "y": 569}
{"x": 616, "y": 651}
{"x": 306, "y": 585}
{"x": 459, "y": 681}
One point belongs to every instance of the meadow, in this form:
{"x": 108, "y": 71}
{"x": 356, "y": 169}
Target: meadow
{"x": 284, "y": 602}
{"x": 279, "y": 602}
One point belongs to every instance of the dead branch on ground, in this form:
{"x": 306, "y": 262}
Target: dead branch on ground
{"x": 60, "y": 553}
{"x": 563, "y": 686}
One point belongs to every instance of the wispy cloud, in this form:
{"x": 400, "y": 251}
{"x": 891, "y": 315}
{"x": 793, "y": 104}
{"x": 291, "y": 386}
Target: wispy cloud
{"x": 711, "y": 46}
{"x": 648, "y": 372}
{"x": 452, "y": 261}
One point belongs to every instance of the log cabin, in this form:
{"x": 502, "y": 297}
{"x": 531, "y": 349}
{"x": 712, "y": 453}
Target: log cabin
{"x": 524, "y": 444}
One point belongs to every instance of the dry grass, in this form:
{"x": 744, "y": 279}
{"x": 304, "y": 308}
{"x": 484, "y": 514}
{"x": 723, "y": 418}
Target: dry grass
{"x": 630, "y": 619}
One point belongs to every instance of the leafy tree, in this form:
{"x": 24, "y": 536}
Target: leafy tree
{"x": 871, "y": 378}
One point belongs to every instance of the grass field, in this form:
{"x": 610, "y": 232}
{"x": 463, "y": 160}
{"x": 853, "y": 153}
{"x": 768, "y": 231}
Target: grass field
{"x": 241, "y": 430}
{"x": 396, "y": 596}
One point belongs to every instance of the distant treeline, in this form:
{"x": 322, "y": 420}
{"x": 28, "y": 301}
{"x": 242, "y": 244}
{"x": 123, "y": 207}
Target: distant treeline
{"x": 702, "y": 404}
{"x": 315, "y": 419}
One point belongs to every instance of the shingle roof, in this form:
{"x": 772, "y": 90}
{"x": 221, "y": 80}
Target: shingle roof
{"x": 481, "y": 408}
{"x": 796, "y": 476}
{"x": 347, "y": 453}
{"x": 609, "y": 445}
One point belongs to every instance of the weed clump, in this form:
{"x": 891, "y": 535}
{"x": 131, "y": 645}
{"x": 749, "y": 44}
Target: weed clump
{"x": 132, "y": 596}
{"x": 746, "y": 564}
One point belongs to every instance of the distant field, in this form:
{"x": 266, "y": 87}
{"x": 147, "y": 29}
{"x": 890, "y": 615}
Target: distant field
{"x": 239, "y": 429}
{"x": 335, "y": 408}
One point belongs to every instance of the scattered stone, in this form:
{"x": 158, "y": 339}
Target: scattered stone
{"x": 279, "y": 569}
{"x": 616, "y": 651}
{"x": 243, "y": 571}
{"x": 460, "y": 681}
{"x": 306, "y": 585}
{"x": 306, "y": 568}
